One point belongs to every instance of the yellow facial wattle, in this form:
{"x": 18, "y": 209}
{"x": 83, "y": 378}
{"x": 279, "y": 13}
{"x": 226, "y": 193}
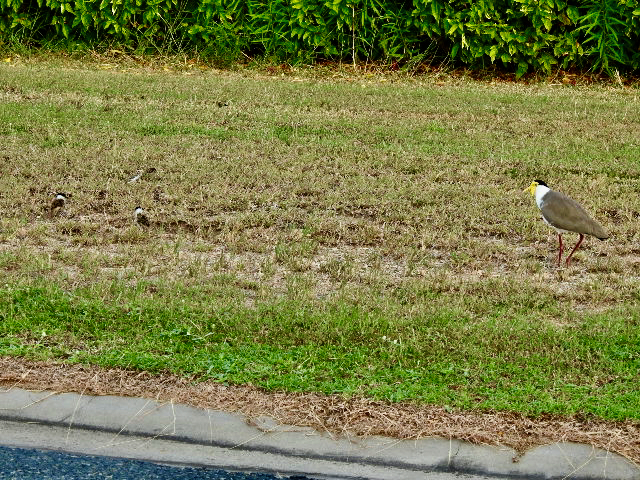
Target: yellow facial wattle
{"x": 531, "y": 188}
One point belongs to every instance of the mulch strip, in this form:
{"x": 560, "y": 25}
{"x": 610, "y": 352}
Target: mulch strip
{"x": 334, "y": 414}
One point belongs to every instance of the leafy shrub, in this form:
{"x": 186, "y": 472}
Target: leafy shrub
{"x": 521, "y": 35}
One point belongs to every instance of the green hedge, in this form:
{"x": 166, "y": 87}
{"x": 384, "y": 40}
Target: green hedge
{"x": 518, "y": 34}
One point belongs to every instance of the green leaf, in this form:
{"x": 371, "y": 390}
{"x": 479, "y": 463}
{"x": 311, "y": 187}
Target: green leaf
{"x": 573, "y": 14}
{"x": 493, "y": 52}
{"x": 435, "y": 10}
{"x": 522, "y": 69}
{"x": 506, "y": 36}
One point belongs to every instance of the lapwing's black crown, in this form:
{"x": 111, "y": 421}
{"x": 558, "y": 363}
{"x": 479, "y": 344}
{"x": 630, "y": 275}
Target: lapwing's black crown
{"x": 540, "y": 182}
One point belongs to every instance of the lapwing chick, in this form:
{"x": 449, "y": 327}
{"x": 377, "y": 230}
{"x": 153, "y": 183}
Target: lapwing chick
{"x": 140, "y": 173}
{"x": 564, "y": 215}
{"x": 140, "y": 217}
{"x": 57, "y": 204}
{"x": 136, "y": 177}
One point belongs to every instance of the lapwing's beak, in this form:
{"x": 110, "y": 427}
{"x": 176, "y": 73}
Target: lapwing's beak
{"x": 531, "y": 188}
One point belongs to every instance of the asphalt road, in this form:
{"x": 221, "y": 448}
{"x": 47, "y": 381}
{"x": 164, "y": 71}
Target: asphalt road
{"x": 32, "y": 464}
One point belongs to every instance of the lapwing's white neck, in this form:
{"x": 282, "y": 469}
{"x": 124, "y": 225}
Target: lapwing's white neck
{"x": 541, "y": 191}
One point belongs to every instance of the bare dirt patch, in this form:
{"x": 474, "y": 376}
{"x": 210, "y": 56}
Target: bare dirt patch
{"x": 334, "y": 414}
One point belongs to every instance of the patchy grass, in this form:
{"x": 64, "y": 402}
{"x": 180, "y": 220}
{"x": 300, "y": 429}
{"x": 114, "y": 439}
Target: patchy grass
{"x": 362, "y": 235}
{"x": 400, "y": 349}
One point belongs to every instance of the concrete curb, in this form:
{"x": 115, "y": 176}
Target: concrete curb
{"x": 179, "y": 434}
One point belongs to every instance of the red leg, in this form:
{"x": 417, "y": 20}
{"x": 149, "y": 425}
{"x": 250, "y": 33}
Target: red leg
{"x": 575, "y": 248}
{"x": 560, "y": 252}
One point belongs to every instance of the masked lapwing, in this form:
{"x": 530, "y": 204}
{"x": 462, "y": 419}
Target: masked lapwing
{"x": 564, "y": 215}
{"x": 140, "y": 217}
{"x": 57, "y": 204}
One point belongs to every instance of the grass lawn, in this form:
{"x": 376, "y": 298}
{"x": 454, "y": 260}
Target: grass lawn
{"x": 365, "y": 235}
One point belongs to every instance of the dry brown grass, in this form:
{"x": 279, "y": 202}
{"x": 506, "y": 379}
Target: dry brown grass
{"x": 411, "y": 207}
{"x": 350, "y": 179}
